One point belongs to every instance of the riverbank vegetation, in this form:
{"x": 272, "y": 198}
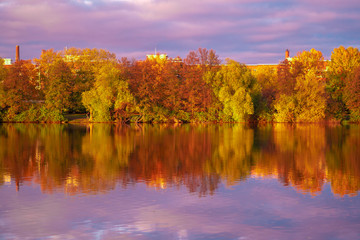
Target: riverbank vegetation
{"x": 198, "y": 88}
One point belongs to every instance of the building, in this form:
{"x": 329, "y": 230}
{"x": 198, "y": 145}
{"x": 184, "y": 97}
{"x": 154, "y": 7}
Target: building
{"x": 254, "y": 67}
{"x": 7, "y": 61}
{"x": 157, "y": 56}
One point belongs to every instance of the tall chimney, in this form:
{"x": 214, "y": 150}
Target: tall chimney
{"x": 287, "y": 54}
{"x": 17, "y": 56}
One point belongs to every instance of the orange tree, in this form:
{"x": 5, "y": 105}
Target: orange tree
{"x": 19, "y": 91}
{"x": 344, "y": 61}
{"x": 301, "y": 89}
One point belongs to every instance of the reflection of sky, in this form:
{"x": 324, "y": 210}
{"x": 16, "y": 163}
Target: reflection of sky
{"x": 253, "y": 209}
{"x": 245, "y": 30}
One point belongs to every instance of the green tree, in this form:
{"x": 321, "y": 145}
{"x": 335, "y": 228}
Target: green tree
{"x": 58, "y": 86}
{"x": 125, "y": 104}
{"x": 84, "y": 63}
{"x": 235, "y": 87}
{"x": 99, "y": 100}
{"x": 232, "y": 157}
{"x": 266, "y": 76}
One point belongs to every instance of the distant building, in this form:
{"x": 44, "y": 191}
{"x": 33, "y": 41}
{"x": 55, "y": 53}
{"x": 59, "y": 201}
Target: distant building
{"x": 157, "y": 56}
{"x": 254, "y": 67}
{"x": 70, "y": 58}
{"x": 17, "y": 53}
{"x": 7, "y": 61}
{"x": 177, "y": 59}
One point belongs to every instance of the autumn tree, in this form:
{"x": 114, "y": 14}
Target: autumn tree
{"x": 310, "y": 97}
{"x": 84, "y": 64}
{"x": 3, "y": 74}
{"x": 58, "y": 88}
{"x": 81, "y": 66}
{"x": 235, "y": 87}
{"x": 203, "y": 57}
{"x": 99, "y": 100}
{"x": 43, "y": 65}
{"x": 125, "y": 104}
{"x": 174, "y": 90}
{"x": 157, "y": 86}
{"x": 266, "y": 77}
{"x": 351, "y": 95}
{"x": 344, "y": 61}
{"x": 148, "y": 82}
{"x": 301, "y": 89}
{"x": 196, "y": 93}
{"x": 199, "y": 72}
{"x": 3, "y": 71}
{"x": 19, "y": 88}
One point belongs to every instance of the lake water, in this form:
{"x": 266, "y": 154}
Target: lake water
{"x": 105, "y": 181}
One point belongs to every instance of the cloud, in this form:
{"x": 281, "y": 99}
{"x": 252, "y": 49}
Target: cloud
{"x": 133, "y": 26}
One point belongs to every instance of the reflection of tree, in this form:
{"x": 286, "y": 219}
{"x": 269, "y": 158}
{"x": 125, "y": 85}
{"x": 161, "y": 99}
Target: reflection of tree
{"x": 18, "y": 155}
{"x": 108, "y": 148}
{"x": 174, "y": 156}
{"x": 37, "y": 153}
{"x": 232, "y": 156}
{"x": 297, "y": 156}
{"x": 97, "y": 157}
{"x": 342, "y": 158}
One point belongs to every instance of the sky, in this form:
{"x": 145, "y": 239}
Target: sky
{"x": 248, "y": 31}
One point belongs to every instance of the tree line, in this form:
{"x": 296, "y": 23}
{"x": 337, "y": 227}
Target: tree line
{"x": 198, "y": 88}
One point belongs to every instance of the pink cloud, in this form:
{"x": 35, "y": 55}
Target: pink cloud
{"x": 135, "y": 26}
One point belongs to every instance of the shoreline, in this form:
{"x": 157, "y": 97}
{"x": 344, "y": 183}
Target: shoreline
{"x": 85, "y": 121}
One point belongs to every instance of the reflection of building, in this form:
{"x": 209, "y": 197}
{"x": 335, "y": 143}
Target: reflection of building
{"x": 158, "y": 182}
{"x": 7, "y": 179}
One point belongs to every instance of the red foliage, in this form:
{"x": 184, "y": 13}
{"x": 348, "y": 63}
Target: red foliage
{"x": 352, "y": 90}
{"x": 20, "y": 85}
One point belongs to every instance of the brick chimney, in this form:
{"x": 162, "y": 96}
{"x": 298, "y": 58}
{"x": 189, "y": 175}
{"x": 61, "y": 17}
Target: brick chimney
{"x": 17, "y": 54}
{"x": 287, "y": 54}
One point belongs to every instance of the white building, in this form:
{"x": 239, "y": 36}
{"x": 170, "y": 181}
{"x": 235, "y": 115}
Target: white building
{"x": 7, "y": 61}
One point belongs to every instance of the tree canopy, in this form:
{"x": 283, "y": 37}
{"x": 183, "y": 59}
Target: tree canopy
{"x": 199, "y": 88}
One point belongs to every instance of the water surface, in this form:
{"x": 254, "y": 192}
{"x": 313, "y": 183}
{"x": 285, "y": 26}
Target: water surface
{"x": 106, "y": 181}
